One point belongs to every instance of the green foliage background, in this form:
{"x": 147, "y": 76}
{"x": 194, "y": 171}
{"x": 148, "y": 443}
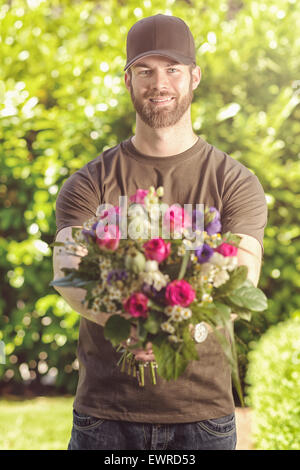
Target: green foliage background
{"x": 63, "y": 101}
{"x": 273, "y": 377}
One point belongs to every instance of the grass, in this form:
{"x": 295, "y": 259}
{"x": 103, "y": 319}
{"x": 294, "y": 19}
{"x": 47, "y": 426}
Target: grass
{"x": 42, "y": 423}
{"x": 45, "y": 423}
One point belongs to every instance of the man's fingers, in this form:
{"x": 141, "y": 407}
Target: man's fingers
{"x": 144, "y": 357}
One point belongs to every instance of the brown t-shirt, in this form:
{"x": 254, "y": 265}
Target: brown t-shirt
{"x": 201, "y": 175}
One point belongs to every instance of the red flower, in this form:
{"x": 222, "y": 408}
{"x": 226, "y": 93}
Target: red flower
{"x": 179, "y": 293}
{"x": 157, "y": 249}
{"x": 227, "y": 250}
{"x": 137, "y": 305}
{"x": 108, "y": 236}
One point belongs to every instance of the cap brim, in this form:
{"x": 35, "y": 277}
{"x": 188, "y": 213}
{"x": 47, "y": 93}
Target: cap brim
{"x": 181, "y": 59}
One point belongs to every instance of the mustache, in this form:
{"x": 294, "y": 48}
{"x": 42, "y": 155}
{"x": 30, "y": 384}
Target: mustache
{"x": 160, "y": 95}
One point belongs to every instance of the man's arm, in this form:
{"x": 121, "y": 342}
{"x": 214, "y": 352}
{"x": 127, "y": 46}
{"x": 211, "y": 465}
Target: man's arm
{"x": 250, "y": 255}
{"x": 73, "y": 295}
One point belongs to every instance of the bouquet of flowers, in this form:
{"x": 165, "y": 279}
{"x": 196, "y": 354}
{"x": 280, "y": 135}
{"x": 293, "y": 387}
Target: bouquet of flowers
{"x": 175, "y": 277}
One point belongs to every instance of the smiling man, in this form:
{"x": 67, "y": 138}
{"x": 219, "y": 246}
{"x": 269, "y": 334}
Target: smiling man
{"x": 165, "y": 107}
{"x": 196, "y": 411}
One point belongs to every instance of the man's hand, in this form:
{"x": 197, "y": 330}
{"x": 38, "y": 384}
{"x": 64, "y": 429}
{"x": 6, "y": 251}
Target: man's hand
{"x": 143, "y": 355}
{"x": 250, "y": 255}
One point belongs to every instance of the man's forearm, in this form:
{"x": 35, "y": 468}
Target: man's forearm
{"x": 75, "y": 298}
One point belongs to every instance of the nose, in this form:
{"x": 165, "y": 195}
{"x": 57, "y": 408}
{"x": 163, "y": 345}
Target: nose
{"x": 159, "y": 80}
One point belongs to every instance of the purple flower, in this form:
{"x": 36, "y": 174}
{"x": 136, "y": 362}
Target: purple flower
{"x": 204, "y": 253}
{"x": 116, "y": 275}
{"x": 150, "y": 291}
{"x": 214, "y": 226}
{"x": 88, "y": 233}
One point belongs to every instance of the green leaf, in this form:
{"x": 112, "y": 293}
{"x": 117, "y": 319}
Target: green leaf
{"x": 223, "y": 309}
{"x": 172, "y": 360}
{"x": 231, "y": 238}
{"x": 172, "y": 270}
{"x": 184, "y": 264}
{"x": 117, "y": 329}
{"x": 70, "y": 280}
{"x": 227, "y": 342}
{"x": 237, "y": 279}
{"x": 251, "y": 298}
{"x": 153, "y": 305}
{"x": 152, "y": 324}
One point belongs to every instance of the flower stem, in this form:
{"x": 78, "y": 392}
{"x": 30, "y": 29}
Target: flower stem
{"x": 152, "y": 369}
{"x": 123, "y": 362}
{"x": 141, "y": 377}
{"x": 184, "y": 263}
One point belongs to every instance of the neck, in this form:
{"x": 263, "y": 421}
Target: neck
{"x": 165, "y": 141}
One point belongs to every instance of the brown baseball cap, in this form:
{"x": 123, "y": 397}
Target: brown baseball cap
{"x": 161, "y": 35}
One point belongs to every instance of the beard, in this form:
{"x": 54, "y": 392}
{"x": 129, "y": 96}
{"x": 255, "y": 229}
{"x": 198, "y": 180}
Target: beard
{"x": 166, "y": 116}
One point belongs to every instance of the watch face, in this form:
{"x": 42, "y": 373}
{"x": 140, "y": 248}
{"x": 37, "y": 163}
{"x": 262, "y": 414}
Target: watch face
{"x": 201, "y": 332}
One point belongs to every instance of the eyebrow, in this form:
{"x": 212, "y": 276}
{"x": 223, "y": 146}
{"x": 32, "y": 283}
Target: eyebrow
{"x": 144, "y": 65}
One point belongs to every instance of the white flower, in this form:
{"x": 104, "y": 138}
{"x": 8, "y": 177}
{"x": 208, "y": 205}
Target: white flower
{"x": 220, "y": 278}
{"x": 154, "y": 212}
{"x": 151, "y": 265}
{"x": 169, "y": 310}
{"x": 155, "y": 278}
{"x": 166, "y": 326}
{"x": 207, "y": 269}
{"x": 186, "y": 313}
{"x": 110, "y": 306}
{"x": 187, "y": 243}
{"x": 206, "y": 298}
{"x": 224, "y": 262}
{"x": 97, "y": 290}
{"x": 218, "y": 260}
{"x": 139, "y": 227}
{"x": 232, "y": 262}
{"x": 181, "y": 250}
{"x": 177, "y": 314}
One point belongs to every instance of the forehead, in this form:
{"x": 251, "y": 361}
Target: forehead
{"x": 154, "y": 61}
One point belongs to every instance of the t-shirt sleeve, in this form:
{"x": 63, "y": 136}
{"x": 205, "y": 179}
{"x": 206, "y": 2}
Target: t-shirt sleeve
{"x": 78, "y": 199}
{"x": 245, "y": 208}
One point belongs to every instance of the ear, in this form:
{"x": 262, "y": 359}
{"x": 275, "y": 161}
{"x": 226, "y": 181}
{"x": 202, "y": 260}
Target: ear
{"x": 127, "y": 80}
{"x": 196, "y": 76}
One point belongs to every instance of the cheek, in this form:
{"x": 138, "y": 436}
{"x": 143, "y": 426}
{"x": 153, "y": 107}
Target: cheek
{"x": 182, "y": 86}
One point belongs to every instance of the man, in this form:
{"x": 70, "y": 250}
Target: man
{"x": 197, "y": 410}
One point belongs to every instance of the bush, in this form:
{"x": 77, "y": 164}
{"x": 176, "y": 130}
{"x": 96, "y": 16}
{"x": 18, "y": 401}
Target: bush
{"x": 273, "y": 393}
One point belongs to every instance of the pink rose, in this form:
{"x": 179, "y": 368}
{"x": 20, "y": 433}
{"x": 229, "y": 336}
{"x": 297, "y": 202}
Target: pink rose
{"x": 139, "y": 196}
{"x": 179, "y": 293}
{"x": 107, "y": 236}
{"x": 227, "y": 250}
{"x": 136, "y": 305}
{"x": 157, "y": 249}
{"x": 176, "y": 218}
{"x": 110, "y": 214}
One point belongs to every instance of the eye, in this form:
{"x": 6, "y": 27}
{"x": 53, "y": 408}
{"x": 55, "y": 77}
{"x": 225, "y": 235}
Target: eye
{"x": 172, "y": 69}
{"x": 144, "y": 72}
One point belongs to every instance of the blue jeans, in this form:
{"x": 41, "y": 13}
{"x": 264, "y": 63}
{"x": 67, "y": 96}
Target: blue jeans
{"x": 90, "y": 433}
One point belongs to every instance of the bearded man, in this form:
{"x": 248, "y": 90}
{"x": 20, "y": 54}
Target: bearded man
{"x": 196, "y": 411}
